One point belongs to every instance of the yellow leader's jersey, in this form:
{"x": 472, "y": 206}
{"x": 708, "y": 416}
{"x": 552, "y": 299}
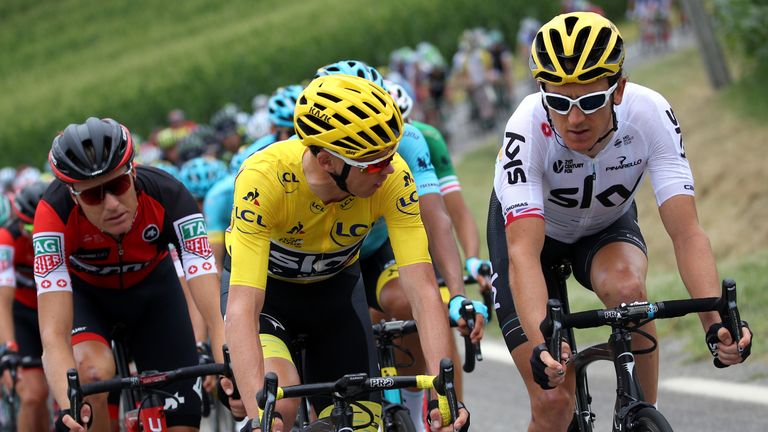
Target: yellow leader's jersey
{"x": 280, "y": 227}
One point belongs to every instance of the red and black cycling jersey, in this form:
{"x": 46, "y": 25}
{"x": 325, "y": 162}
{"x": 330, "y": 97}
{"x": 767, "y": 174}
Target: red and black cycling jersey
{"x": 16, "y": 261}
{"x": 66, "y": 242}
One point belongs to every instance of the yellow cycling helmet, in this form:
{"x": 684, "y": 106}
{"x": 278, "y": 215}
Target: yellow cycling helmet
{"x": 348, "y": 115}
{"x": 579, "y": 47}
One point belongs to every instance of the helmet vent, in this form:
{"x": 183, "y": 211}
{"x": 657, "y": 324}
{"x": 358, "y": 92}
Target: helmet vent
{"x": 570, "y": 23}
{"x": 542, "y": 54}
{"x": 341, "y": 119}
{"x": 367, "y": 137}
{"x": 373, "y": 108}
{"x": 380, "y": 100}
{"x": 329, "y": 96}
{"x": 358, "y": 112}
{"x": 615, "y": 55}
{"x": 306, "y": 129}
{"x": 392, "y": 123}
{"x": 344, "y": 143}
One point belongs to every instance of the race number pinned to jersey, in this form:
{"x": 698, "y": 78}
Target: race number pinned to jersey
{"x": 49, "y": 252}
{"x": 193, "y": 235}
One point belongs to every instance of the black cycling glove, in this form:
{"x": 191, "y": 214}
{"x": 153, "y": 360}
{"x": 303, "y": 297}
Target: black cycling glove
{"x": 59, "y": 425}
{"x": 538, "y": 366}
{"x": 713, "y": 340}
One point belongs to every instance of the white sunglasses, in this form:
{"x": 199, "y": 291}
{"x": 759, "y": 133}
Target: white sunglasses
{"x": 588, "y": 103}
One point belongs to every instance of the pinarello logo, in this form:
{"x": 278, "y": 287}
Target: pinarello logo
{"x": 546, "y": 129}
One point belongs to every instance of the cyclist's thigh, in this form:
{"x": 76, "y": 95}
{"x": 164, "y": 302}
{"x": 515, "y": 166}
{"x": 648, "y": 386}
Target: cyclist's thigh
{"x": 625, "y": 229}
{"x": 161, "y": 338}
{"x": 91, "y": 332}
{"x": 334, "y": 315}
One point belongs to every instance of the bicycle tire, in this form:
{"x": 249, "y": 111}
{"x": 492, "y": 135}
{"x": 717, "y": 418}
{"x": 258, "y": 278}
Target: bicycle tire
{"x": 400, "y": 420}
{"x": 649, "y": 419}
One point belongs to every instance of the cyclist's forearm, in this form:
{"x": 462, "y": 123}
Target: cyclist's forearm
{"x": 198, "y": 322}
{"x": 464, "y": 223}
{"x": 205, "y": 291}
{"x": 442, "y": 245}
{"x": 242, "y": 336}
{"x": 420, "y": 287}
{"x": 55, "y": 317}
{"x": 698, "y": 271}
{"x": 6, "y": 314}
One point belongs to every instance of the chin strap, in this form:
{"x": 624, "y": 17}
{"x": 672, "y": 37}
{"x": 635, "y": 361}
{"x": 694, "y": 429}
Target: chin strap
{"x": 614, "y": 128}
{"x": 341, "y": 179}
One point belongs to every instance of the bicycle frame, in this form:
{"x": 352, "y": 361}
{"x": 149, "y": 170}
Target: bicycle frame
{"x": 623, "y": 320}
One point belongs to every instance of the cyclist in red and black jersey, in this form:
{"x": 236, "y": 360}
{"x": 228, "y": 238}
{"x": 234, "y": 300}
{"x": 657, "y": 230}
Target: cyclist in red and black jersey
{"x": 19, "y": 331}
{"x": 101, "y": 241}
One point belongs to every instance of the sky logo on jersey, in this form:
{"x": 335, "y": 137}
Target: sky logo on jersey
{"x": 409, "y": 204}
{"x": 194, "y": 236}
{"x": 49, "y": 252}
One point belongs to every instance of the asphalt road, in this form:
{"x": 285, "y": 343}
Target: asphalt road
{"x": 738, "y": 401}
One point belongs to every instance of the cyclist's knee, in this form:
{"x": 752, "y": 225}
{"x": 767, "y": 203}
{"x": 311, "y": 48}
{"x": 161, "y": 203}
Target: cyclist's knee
{"x": 94, "y": 361}
{"x": 623, "y": 287}
{"x": 33, "y": 389}
{"x": 552, "y": 406}
{"x": 394, "y": 302}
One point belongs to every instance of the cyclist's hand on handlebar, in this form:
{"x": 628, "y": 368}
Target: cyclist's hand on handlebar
{"x": 723, "y": 348}
{"x": 65, "y": 422}
{"x": 547, "y": 372}
{"x": 473, "y": 266}
{"x": 461, "y": 424}
{"x": 236, "y": 406}
{"x": 481, "y": 317}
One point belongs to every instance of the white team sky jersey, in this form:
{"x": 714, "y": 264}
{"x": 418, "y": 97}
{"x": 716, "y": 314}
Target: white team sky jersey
{"x": 536, "y": 175}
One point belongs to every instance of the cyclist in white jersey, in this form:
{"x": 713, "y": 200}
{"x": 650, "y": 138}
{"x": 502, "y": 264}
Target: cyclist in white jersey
{"x": 564, "y": 189}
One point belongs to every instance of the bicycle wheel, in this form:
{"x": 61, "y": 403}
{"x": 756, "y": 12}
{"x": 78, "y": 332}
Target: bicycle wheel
{"x": 650, "y": 420}
{"x": 398, "y": 420}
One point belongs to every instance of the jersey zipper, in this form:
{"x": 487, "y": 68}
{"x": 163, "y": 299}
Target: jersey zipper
{"x": 590, "y": 204}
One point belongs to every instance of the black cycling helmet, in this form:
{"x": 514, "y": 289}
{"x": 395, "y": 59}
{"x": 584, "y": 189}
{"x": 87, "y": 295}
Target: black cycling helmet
{"x": 26, "y": 200}
{"x": 92, "y": 149}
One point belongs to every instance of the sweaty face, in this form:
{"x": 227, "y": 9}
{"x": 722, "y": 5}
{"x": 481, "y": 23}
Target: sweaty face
{"x": 115, "y": 213}
{"x": 581, "y": 131}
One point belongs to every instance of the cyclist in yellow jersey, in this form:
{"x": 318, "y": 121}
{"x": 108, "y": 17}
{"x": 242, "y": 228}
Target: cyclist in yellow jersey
{"x": 302, "y": 208}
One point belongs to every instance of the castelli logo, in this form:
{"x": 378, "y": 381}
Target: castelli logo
{"x": 546, "y": 129}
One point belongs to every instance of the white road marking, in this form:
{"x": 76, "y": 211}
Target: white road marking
{"x": 750, "y": 393}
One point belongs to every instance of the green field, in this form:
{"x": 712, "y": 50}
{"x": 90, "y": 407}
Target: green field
{"x": 134, "y": 60}
{"x": 708, "y": 118}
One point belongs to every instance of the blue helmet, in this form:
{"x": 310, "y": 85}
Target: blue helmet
{"x": 281, "y": 105}
{"x": 166, "y": 166}
{"x": 6, "y": 208}
{"x": 354, "y": 68}
{"x": 239, "y": 158}
{"x": 200, "y": 174}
